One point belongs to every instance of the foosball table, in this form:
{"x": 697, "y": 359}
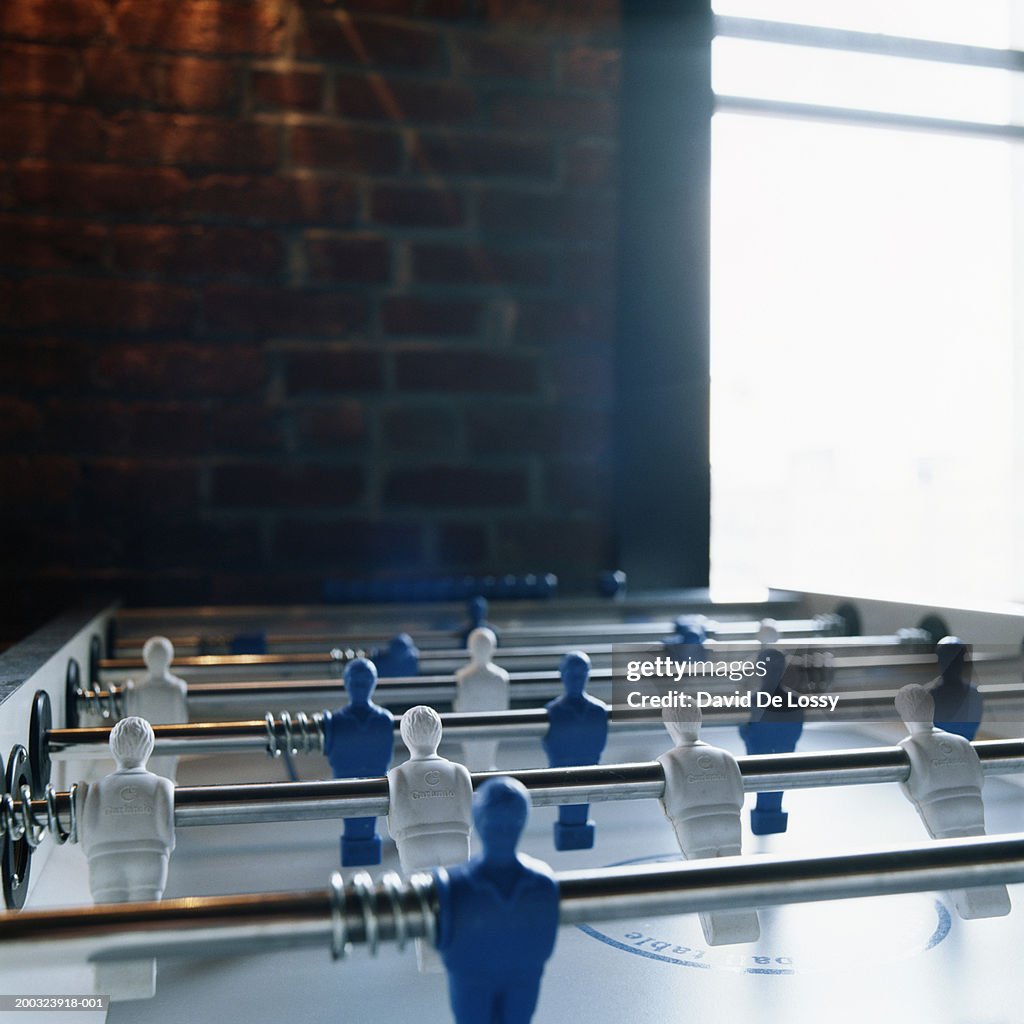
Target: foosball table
{"x": 856, "y": 882}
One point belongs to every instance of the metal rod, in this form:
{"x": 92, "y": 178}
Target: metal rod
{"x": 300, "y": 733}
{"x": 337, "y": 657}
{"x": 353, "y": 798}
{"x": 396, "y": 910}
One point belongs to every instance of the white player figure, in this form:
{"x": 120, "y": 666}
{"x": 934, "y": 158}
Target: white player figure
{"x": 703, "y": 800}
{"x": 431, "y": 807}
{"x": 768, "y": 633}
{"x": 481, "y": 686}
{"x": 126, "y": 829}
{"x": 161, "y": 698}
{"x": 945, "y": 788}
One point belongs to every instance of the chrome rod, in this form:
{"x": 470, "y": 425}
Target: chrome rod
{"x": 354, "y": 798}
{"x": 396, "y": 910}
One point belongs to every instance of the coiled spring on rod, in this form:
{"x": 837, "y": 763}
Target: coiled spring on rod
{"x": 106, "y": 704}
{"x": 19, "y": 820}
{"x": 301, "y": 734}
{"x": 393, "y": 888}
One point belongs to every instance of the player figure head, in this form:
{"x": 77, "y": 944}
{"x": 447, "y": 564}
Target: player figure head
{"x": 157, "y": 654}
{"x": 421, "y": 731}
{"x": 481, "y": 644}
{"x": 131, "y": 742}
{"x": 575, "y": 671}
{"x": 360, "y": 679}
{"x": 775, "y": 668}
{"x": 683, "y": 724}
{"x": 500, "y": 809}
{"x": 916, "y": 706}
{"x": 954, "y": 659}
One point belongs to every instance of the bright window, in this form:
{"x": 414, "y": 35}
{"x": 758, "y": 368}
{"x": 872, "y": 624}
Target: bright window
{"x": 867, "y": 429}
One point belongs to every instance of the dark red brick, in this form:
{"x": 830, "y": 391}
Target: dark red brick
{"x": 144, "y": 138}
{"x": 279, "y": 311}
{"x": 344, "y": 148}
{"x": 420, "y": 429}
{"x": 461, "y": 544}
{"x": 348, "y": 258}
{"x": 90, "y": 304}
{"x": 584, "y": 115}
{"x": 336, "y": 35}
{"x": 341, "y": 423}
{"x": 28, "y": 72}
{"x": 553, "y": 431}
{"x": 456, "y": 487}
{"x": 592, "y": 164}
{"x": 407, "y": 314}
{"x": 178, "y": 369}
{"x": 198, "y": 252}
{"x": 546, "y": 215}
{"x": 114, "y": 485}
{"x": 416, "y": 207}
{"x": 53, "y": 21}
{"x": 347, "y": 544}
{"x": 565, "y": 321}
{"x": 395, "y": 99}
{"x": 44, "y": 244}
{"x": 483, "y": 155}
{"x": 85, "y": 188}
{"x": 244, "y": 428}
{"x": 466, "y": 370}
{"x": 114, "y": 76}
{"x": 556, "y": 15}
{"x": 287, "y": 90}
{"x": 282, "y": 199}
{"x": 50, "y": 365}
{"x": 90, "y": 426}
{"x": 202, "y": 85}
{"x": 202, "y": 26}
{"x": 20, "y": 421}
{"x": 276, "y": 485}
{"x": 584, "y": 67}
{"x": 168, "y": 428}
{"x": 42, "y": 479}
{"x": 334, "y": 370}
{"x": 514, "y": 57}
{"x": 64, "y": 133}
{"x": 461, "y": 264}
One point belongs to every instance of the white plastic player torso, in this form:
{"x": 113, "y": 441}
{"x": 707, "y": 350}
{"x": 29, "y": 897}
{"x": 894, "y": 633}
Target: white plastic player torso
{"x": 161, "y": 701}
{"x": 129, "y": 811}
{"x": 481, "y": 688}
{"x": 945, "y": 784}
{"x": 703, "y": 798}
{"x": 430, "y": 812}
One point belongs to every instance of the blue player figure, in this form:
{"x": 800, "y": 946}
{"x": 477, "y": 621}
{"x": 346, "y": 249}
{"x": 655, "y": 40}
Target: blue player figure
{"x": 771, "y": 731}
{"x": 358, "y": 741}
{"x": 400, "y": 660}
{"x": 477, "y": 609}
{"x": 687, "y": 642}
{"x": 958, "y": 704}
{"x": 577, "y": 733}
{"x": 497, "y": 915}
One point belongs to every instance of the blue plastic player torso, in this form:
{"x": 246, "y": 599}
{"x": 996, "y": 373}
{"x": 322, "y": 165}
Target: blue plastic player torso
{"x": 359, "y": 742}
{"x": 489, "y": 936}
{"x": 958, "y": 709}
{"x": 577, "y": 732}
{"x": 397, "y": 664}
{"x": 772, "y": 731}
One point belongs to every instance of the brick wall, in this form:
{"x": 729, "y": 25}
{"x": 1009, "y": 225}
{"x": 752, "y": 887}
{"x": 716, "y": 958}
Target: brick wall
{"x": 293, "y": 290}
